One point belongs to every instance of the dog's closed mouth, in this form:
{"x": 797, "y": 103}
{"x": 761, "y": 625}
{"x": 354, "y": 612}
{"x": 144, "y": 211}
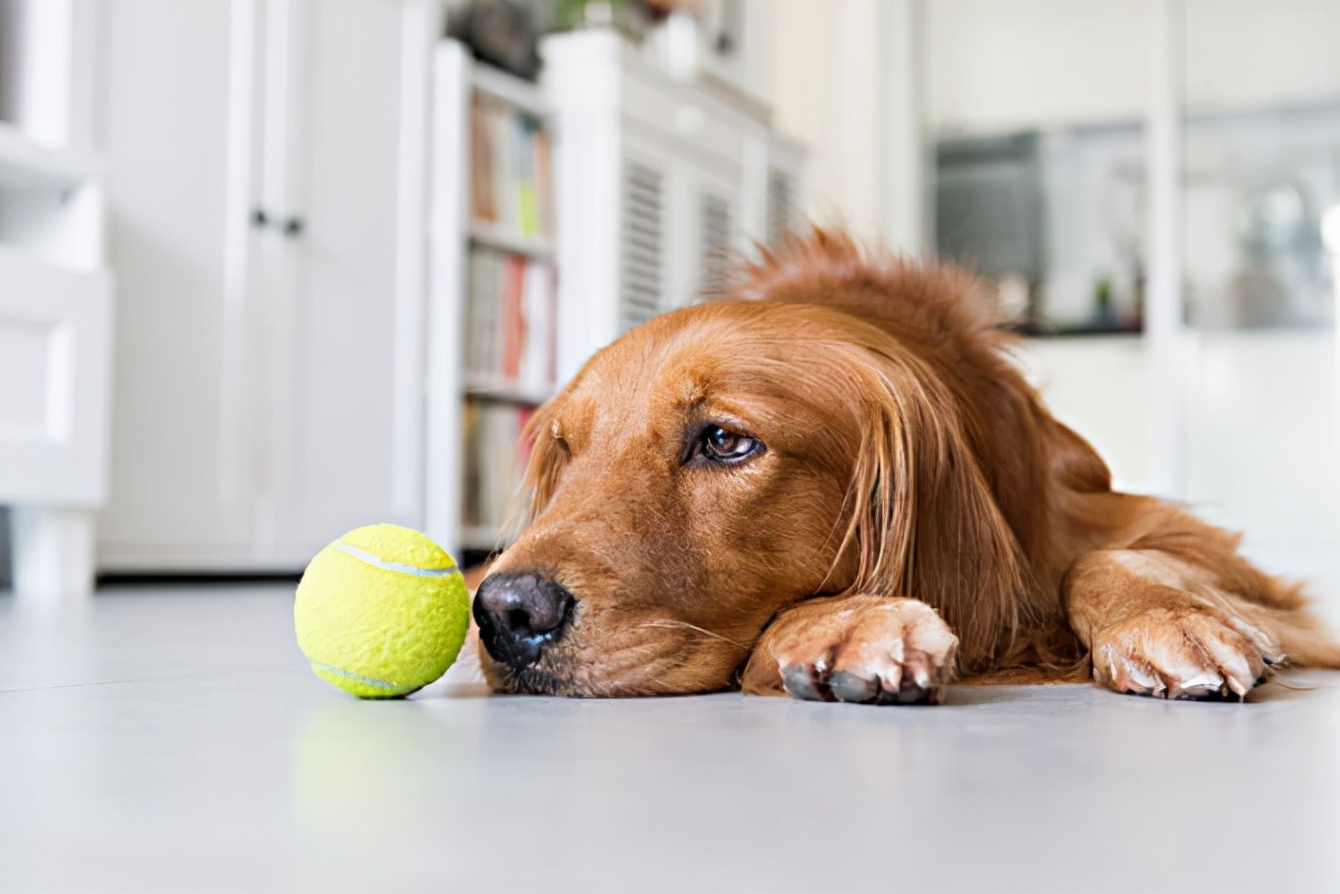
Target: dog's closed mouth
{"x": 533, "y": 681}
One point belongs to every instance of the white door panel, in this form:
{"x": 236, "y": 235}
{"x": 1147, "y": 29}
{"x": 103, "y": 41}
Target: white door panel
{"x": 259, "y": 395}
{"x": 165, "y": 105}
{"x": 337, "y": 467}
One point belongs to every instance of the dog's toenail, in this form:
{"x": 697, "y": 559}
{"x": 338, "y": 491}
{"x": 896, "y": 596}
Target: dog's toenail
{"x": 850, "y": 688}
{"x": 911, "y": 694}
{"x": 800, "y": 682}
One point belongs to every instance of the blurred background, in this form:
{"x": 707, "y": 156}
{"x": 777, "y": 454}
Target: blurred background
{"x": 271, "y": 270}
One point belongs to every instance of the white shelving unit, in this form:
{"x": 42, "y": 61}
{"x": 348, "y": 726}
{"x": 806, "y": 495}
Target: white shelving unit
{"x": 31, "y": 165}
{"x": 492, "y": 236}
{"x": 56, "y": 305}
{"x": 457, "y": 80}
{"x": 502, "y": 389}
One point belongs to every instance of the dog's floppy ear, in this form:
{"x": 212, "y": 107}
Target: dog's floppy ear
{"x": 924, "y": 522}
{"x": 543, "y": 453}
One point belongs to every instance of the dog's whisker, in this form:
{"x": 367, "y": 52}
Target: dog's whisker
{"x": 671, "y": 624}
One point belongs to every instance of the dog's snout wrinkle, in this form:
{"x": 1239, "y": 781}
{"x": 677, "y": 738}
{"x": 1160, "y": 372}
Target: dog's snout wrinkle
{"x": 518, "y": 614}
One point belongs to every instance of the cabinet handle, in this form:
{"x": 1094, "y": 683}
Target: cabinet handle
{"x": 290, "y": 226}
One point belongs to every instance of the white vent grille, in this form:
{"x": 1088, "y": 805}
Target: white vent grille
{"x": 643, "y": 240}
{"x": 781, "y": 205}
{"x": 714, "y": 227}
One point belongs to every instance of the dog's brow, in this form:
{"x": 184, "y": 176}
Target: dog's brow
{"x": 693, "y": 394}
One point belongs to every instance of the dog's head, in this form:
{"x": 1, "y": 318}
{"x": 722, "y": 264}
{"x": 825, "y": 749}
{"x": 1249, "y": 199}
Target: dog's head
{"x": 718, "y": 464}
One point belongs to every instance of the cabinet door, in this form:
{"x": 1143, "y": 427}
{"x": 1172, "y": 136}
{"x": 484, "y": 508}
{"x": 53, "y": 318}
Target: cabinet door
{"x": 179, "y": 493}
{"x": 715, "y": 227}
{"x": 781, "y": 191}
{"x": 343, "y": 334}
{"x": 680, "y": 221}
{"x": 268, "y": 374}
{"x": 647, "y": 220}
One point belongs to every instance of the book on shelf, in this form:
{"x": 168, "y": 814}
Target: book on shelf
{"x": 495, "y": 461}
{"x": 511, "y": 170}
{"x": 510, "y": 321}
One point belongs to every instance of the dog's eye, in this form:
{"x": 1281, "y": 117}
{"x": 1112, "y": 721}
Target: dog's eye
{"x": 723, "y": 446}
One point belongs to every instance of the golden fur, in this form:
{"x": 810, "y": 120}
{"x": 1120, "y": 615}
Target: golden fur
{"x": 906, "y": 461}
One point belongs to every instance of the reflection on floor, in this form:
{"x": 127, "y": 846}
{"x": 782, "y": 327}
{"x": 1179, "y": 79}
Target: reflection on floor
{"x": 175, "y": 740}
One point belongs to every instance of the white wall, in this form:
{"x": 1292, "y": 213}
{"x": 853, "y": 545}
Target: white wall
{"x": 824, "y": 87}
{"x": 999, "y": 65}
{"x": 1249, "y": 54}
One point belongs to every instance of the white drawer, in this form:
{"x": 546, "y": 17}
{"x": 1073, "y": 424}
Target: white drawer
{"x": 55, "y": 366}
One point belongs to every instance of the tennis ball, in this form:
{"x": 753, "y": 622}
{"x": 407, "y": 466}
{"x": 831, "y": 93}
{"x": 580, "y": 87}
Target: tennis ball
{"x": 381, "y": 612}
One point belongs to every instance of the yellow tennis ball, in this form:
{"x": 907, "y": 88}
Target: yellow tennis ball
{"x": 381, "y": 612}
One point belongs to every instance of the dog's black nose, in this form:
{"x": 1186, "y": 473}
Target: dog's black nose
{"x": 518, "y": 613}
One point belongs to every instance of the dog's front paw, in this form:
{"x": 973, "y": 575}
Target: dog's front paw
{"x": 1182, "y": 654}
{"x": 867, "y": 649}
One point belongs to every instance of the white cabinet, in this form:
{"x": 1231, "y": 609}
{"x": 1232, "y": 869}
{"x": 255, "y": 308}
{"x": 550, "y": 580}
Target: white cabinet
{"x": 268, "y": 196}
{"x": 55, "y": 333}
{"x": 659, "y": 180}
{"x": 56, "y": 305}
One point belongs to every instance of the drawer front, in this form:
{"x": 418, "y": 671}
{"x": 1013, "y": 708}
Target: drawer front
{"x": 55, "y": 346}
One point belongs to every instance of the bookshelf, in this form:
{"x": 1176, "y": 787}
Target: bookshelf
{"x": 661, "y": 178}
{"x": 491, "y": 235}
{"x": 492, "y": 293}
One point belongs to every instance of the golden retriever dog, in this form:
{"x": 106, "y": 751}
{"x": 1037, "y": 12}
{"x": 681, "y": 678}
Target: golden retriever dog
{"x": 831, "y": 482}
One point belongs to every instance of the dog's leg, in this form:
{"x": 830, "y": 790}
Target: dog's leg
{"x": 870, "y": 649}
{"x": 1158, "y": 625}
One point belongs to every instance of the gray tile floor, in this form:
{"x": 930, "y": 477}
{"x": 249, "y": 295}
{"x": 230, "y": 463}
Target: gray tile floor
{"x": 175, "y": 740}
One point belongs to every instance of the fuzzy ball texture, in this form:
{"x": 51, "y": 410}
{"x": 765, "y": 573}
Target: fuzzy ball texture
{"x": 381, "y": 612}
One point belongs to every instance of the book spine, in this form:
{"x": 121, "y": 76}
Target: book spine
{"x": 513, "y": 327}
{"x": 544, "y": 183}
